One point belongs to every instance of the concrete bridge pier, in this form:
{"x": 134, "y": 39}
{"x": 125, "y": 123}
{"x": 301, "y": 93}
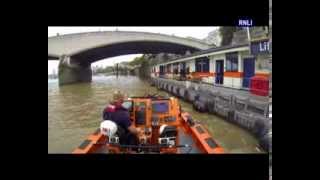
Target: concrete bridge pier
{"x": 70, "y": 73}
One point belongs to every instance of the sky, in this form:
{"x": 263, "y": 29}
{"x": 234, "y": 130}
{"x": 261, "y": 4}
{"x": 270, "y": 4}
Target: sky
{"x": 182, "y": 31}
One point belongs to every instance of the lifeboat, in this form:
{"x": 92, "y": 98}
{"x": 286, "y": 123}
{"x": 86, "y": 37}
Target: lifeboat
{"x": 165, "y": 129}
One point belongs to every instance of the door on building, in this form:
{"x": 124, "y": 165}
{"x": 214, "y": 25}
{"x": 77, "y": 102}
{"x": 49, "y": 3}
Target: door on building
{"x": 219, "y": 71}
{"x": 248, "y": 71}
{"x": 161, "y": 73}
{"x": 183, "y": 69}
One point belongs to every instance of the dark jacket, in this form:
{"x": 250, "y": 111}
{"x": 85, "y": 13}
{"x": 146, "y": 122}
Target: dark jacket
{"x": 118, "y": 115}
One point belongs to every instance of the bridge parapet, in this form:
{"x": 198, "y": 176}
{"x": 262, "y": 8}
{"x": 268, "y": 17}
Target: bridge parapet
{"x": 71, "y": 44}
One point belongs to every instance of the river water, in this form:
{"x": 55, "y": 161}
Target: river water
{"x": 75, "y": 111}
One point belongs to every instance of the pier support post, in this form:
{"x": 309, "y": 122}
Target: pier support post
{"x": 72, "y": 73}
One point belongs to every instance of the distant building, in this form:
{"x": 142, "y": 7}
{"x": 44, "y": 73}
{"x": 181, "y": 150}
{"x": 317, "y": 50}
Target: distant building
{"x": 53, "y": 75}
{"x": 53, "y": 72}
{"x": 233, "y": 66}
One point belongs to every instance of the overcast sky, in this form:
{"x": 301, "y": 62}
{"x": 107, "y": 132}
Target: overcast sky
{"x": 195, "y": 32}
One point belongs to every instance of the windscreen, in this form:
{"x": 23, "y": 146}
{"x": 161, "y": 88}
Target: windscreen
{"x": 128, "y": 105}
{"x": 160, "y": 107}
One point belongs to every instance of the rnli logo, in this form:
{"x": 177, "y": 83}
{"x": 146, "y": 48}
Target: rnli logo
{"x": 245, "y": 22}
{"x": 260, "y": 47}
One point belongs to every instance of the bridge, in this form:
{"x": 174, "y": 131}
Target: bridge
{"x": 77, "y": 51}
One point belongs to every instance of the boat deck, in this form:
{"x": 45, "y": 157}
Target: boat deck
{"x": 184, "y": 138}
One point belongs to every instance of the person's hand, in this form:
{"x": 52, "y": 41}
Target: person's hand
{"x": 139, "y": 130}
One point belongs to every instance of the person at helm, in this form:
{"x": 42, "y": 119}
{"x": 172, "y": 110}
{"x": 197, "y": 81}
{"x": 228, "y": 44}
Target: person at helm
{"x": 111, "y": 107}
{"x": 117, "y": 112}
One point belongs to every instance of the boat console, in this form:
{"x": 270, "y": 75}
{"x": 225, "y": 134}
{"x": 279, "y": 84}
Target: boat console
{"x": 157, "y": 118}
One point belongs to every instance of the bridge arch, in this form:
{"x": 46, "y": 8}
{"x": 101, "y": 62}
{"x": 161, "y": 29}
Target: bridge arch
{"x": 125, "y": 48}
{"x": 85, "y": 48}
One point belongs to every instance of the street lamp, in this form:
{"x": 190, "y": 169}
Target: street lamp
{"x": 249, "y": 39}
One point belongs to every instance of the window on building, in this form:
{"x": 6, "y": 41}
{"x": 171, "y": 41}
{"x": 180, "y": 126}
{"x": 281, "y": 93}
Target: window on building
{"x": 202, "y": 64}
{"x": 169, "y": 68}
{"x": 232, "y": 62}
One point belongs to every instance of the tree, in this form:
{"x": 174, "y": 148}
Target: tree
{"x": 136, "y": 61}
{"x": 226, "y": 33}
{"x": 144, "y": 70}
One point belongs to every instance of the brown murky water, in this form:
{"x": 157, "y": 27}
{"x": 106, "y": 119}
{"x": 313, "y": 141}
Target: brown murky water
{"x": 75, "y": 111}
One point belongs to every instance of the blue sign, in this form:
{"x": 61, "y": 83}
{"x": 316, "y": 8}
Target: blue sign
{"x": 245, "y": 22}
{"x": 260, "y": 47}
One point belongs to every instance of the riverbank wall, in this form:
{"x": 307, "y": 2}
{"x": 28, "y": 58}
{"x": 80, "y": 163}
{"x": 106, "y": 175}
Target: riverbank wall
{"x": 249, "y": 113}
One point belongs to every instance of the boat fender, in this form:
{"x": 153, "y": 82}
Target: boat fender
{"x": 266, "y": 141}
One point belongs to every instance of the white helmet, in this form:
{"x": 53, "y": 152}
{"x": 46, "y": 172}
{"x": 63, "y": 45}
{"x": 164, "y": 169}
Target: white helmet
{"x": 108, "y": 128}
